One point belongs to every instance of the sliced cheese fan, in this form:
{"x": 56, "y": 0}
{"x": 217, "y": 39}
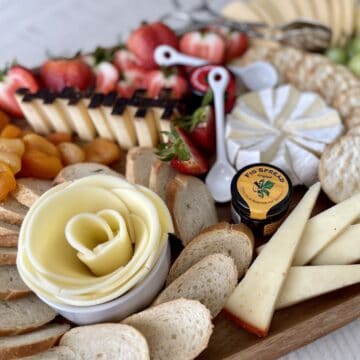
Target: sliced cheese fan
{"x": 284, "y": 127}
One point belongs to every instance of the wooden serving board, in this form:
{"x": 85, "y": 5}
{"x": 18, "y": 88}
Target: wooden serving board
{"x": 292, "y": 327}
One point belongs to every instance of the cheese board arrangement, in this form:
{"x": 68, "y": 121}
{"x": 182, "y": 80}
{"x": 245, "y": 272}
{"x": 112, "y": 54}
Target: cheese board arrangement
{"x": 183, "y": 196}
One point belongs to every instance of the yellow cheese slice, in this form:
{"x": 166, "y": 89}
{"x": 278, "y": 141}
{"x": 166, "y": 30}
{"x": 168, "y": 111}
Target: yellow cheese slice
{"x": 348, "y": 20}
{"x": 240, "y": 11}
{"x": 285, "y": 10}
{"x": 325, "y": 227}
{"x": 345, "y": 249}
{"x": 267, "y": 11}
{"x": 323, "y": 12}
{"x": 305, "y": 9}
{"x": 306, "y": 282}
{"x": 253, "y": 302}
{"x": 336, "y": 21}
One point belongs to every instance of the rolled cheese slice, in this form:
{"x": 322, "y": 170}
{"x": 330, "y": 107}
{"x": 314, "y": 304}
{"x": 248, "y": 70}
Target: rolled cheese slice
{"x": 92, "y": 240}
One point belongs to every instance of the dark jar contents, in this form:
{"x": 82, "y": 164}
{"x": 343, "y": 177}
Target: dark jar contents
{"x": 261, "y": 196}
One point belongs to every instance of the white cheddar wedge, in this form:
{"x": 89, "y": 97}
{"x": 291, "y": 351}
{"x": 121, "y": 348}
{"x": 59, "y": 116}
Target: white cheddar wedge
{"x": 325, "y": 227}
{"x": 240, "y": 11}
{"x": 306, "y": 282}
{"x": 253, "y": 302}
{"x": 345, "y": 249}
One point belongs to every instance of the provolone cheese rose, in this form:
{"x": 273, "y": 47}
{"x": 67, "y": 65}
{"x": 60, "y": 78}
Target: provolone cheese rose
{"x": 90, "y": 241}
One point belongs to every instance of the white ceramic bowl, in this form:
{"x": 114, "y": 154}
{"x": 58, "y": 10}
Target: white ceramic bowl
{"x": 133, "y": 301}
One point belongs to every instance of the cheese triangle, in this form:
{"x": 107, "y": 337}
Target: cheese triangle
{"x": 345, "y": 249}
{"x": 252, "y": 304}
{"x": 325, "y": 227}
{"x": 306, "y": 282}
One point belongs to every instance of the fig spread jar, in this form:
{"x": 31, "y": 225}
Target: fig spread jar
{"x": 261, "y": 195}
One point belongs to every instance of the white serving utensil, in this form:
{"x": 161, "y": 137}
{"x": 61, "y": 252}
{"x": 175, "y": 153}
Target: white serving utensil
{"x": 220, "y": 175}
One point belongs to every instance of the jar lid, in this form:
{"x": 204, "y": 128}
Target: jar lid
{"x": 261, "y": 191}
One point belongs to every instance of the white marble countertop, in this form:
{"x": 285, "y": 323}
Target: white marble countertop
{"x": 33, "y": 28}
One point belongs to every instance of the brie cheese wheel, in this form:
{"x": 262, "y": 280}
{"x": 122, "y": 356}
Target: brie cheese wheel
{"x": 90, "y": 241}
{"x": 284, "y": 127}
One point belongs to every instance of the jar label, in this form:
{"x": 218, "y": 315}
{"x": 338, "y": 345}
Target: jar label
{"x": 262, "y": 187}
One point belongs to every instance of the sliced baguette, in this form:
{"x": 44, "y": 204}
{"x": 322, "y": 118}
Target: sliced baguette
{"x": 210, "y": 281}
{"x": 55, "y": 353}
{"x": 11, "y": 285}
{"x": 11, "y": 211}
{"x": 191, "y": 206}
{"x": 8, "y": 229}
{"x": 138, "y": 165}
{"x": 161, "y": 173}
{"x": 9, "y": 241}
{"x": 31, "y": 343}
{"x": 106, "y": 341}
{"x": 176, "y": 330}
{"x": 80, "y": 170}
{"x": 28, "y": 190}
{"x": 234, "y": 240}
{"x": 8, "y": 255}
{"x": 23, "y": 315}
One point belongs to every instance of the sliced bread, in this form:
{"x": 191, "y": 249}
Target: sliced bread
{"x": 8, "y": 229}
{"x": 12, "y": 347}
{"x": 235, "y": 240}
{"x": 9, "y": 240}
{"x": 176, "y": 330}
{"x": 210, "y": 281}
{"x": 55, "y": 353}
{"x": 28, "y": 190}
{"x": 8, "y": 255}
{"x": 161, "y": 173}
{"x": 138, "y": 165}
{"x": 11, "y": 285}
{"x": 191, "y": 205}
{"x": 23, "y": 315}
{"x": 11, "y": 211}
{"x": 106, "y": 341}
{"x": 80, "y": 170}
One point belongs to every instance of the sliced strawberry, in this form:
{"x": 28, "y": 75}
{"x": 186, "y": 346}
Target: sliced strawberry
{"x": 125, "y": 60}
{"x": 11, "y": 80}
{"x": 204, "y": 44}
{"x": 57, "y": 74}
{"x": 144, "y": 40}
{"x": 182, "y": 154}
{"x": 166, "y": 78}
{"x": 200, "y": 85}
{"x": 107, "y": 77}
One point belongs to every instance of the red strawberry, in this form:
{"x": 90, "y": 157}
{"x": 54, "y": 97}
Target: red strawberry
{"x": 200, "y": 85}
{"x": 107, "y": 77}
{"x": 144, "y": 40}
{"x": 11, "y": 80}
{"x": 130, "y": 81}
{"x": 167, "y": 78}
{"x": 182, "y": 154}
{"x": 204, "y": 44}
{"x": 57, "y": 74}
{"x": 125, "y": 60}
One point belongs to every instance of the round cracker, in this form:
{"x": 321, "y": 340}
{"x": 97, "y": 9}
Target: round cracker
{"x": 286, "y": 59}
{"x": 353, "y": 119}
{"x": 354, "y": 131}
{"x": 339, "y": 169}
{"x": 347, "y": 101}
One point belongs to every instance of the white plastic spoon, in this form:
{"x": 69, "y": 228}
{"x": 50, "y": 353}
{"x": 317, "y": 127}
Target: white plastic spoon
{"x": 220, "y": 175}
{"x": 256, "y": 76}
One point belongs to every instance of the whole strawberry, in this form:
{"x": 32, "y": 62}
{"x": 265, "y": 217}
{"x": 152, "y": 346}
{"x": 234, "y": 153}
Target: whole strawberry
{"x": 205, "y": 44}
{"x": 57, "y": 74}
{"x": 10, "y": 80}
{"x": 143, "y": 41}
{"x": 125, "y": 60}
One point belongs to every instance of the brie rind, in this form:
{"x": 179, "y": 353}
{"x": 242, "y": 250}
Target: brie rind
{"x": 282, "y": 126}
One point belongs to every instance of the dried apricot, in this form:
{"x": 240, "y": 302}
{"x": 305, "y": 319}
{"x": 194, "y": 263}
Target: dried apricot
{"x": 40, "y": 165}
{"x": 12, "y": 146}
{"x": 5, "y": 168}
{"x": 4, "y": 120}
{"x": 37, "y": 142}
{"x": 59, "y": 137}
{"x": 71, "y": 153}
{"x": 12, "y": 160}
{"x": 7, "y": 184}
{"x": 102, "y": 151}
{"x": 11, "y": 131}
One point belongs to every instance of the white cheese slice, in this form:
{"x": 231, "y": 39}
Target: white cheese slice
{"x": 313, "y": 146}
{"x": 100, "y": 122}
{"x": 145, "y": 128}
{"x": 325, "y": 227}
{"x": 285, "y": 104}
{"x": 345, "y": 249}
{"x": 306, "y": 282}
{"x": 253, "y": 302}
{"x": 62, "y": 104}
{"x": 123, "y": 129}
{"x": 56, "y": 117}
{"x": 240, "y": 11}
